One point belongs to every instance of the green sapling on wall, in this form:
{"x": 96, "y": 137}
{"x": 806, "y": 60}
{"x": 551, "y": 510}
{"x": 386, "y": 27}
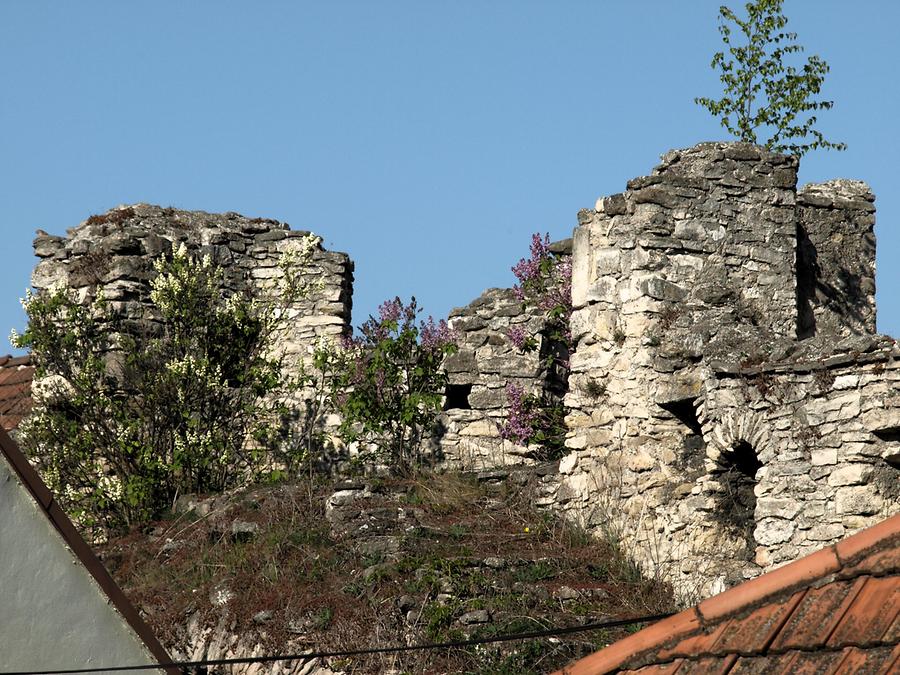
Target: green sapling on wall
{"x": 766, "y": 100}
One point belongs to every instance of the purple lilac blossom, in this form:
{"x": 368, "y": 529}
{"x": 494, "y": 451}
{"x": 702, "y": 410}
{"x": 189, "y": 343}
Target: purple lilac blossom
{"x": 435, "y": 336}
{"x": 518, "y": 336}
{"x": 528, "y": 270}
{"x": 409, "y": 311}
{"x": 519, "y": 426}
{"x": 390, "y": 310}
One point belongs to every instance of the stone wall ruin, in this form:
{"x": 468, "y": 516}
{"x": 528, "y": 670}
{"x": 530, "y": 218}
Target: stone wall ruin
{"x": 725, "y": 443}
{"x": 476, "y": 403}
{"x": 730, "y": 406}
{"x": 114, "y": 253}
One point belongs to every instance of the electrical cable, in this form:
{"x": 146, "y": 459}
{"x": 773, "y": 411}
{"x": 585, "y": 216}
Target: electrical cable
{"x": 354, "y": 652}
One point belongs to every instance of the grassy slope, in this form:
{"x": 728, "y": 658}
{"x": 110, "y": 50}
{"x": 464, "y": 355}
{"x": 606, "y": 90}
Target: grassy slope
{"x": 408, "y": 561}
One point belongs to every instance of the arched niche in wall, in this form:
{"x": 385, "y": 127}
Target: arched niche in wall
{"x": 734, "y": 459}
{"x": 735, "y": 476}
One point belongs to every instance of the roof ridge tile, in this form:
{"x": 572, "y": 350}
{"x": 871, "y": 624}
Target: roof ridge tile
{"x": 662, "y": 632}
{"x": 864, "y": 543}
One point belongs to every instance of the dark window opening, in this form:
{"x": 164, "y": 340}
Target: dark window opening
{"x": 890, "y": 435}
{"x": 693, "y": 450}
{"x": 555, "y": 355}
{"x": 457, "y": 397}
{"x": 685, "y": 412}
{"x": 743, "y": 458}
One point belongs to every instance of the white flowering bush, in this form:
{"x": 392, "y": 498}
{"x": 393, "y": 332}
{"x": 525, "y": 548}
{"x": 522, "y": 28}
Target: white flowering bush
{"x": 138, "y": 417}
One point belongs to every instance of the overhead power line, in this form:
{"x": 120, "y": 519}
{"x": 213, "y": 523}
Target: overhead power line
{"x": 184, "y": 665}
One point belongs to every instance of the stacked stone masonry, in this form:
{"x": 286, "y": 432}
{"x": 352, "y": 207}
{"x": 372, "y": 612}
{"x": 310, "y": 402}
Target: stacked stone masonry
{"x": 729, "y": 405}
{"x": 836, "y": 259}
{"x": 114, "y": 253}
{"x": 476, "y": 403}
{"x": 712, "y": 454}
{"x": 826, "y": 435}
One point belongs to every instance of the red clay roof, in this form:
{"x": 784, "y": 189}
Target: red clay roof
{"x": 16, "y": 373}
{"x": 835, "y": 611}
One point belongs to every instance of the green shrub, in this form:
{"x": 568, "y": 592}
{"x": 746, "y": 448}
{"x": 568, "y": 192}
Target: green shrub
{"x": 387, "y": 383}
{"x": 127, "y": 419}
{"x": 763, "y": 93}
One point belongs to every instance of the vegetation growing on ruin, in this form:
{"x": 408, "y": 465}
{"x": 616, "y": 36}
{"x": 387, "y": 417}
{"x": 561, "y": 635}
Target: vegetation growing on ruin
{"x": 386, "y": 383}
{"x": 763, "y": 92}
{"x": 544, "y": 282}
{"x": 128, "y": 416}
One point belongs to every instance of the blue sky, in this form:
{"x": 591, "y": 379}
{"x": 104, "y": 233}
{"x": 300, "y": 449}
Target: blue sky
{"x": 426, "y": 139}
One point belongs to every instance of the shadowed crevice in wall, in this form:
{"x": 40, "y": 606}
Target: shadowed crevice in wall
{"x": 807, "y": 274}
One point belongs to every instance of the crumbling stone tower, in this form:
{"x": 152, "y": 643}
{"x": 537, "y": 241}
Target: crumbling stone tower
{"x": 730, "y": 405}
{"x": 712, "y": 300}
{"x": 114, "y": 253}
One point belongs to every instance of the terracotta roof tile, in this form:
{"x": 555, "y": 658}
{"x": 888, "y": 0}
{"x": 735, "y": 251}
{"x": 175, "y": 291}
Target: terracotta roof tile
{"x": 754, "y": 633}
{"x": 657, "y": 669}
{"x": 892, "y": 634}
{"x": 659, "y": 633}
{"x": 707, "y": 666}
{"x": 798, "y": 663}
{"x": 696, "y": 644}
{"x": 797, "y": 573}
{"x": 870, "y": 615}
{"x": 878, "y": 660}
{"x": 877, "y": 563}
{"x": 16, "y": 374}
{"x": 817, "y": 615}
{"x": 11, "y": 361}
{"x": 877, "y": 537}
{"x": 835, "y": 611}
{"x": 11, "y": 375}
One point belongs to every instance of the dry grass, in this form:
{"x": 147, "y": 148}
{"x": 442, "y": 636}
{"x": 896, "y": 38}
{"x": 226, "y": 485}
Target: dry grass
{"x": 114, "y": 216}
{"x": 334, "y": 591}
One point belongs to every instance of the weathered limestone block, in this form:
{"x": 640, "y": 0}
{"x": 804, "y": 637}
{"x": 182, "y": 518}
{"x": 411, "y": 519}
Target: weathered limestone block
{"x": 770, "y": 531}
{"x": 860, "y": 500}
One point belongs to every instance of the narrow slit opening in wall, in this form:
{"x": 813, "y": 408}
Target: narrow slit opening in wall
{"x": 456, "y": 397}
{"x": 807, "y": 276}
